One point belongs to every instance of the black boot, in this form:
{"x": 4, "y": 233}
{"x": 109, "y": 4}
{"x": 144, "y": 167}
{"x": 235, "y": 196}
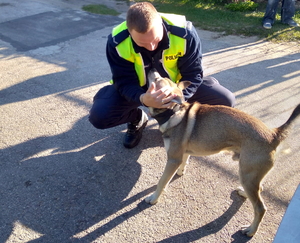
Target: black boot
{"x": 134, "y": 133}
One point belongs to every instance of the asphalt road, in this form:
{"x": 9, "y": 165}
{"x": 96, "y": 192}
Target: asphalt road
{"x": 61, "y": 180}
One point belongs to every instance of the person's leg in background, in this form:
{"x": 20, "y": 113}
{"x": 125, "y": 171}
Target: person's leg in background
{"x": 288, "y": 12}
{"x": 270, "y": 14}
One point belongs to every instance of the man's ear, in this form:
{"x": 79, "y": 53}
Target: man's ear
{"x": 184, "y": 84}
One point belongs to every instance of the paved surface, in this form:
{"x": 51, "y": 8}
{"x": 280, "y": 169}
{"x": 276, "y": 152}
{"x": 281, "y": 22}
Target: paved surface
{"x": 64, "y": 181}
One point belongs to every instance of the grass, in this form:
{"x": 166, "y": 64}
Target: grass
{"x": 213, "y": 17}
{"x": 100, "y": 9}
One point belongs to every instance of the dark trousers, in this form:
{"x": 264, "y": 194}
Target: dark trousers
{"x": 287, "y": 10}
{"x": 110, "y": 109}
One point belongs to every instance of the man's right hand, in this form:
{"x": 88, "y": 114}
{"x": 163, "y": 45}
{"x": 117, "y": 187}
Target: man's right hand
{"x": 157, "y": 98}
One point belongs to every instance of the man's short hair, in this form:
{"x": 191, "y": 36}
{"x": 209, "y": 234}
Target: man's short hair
{"x": 141, "y": 16}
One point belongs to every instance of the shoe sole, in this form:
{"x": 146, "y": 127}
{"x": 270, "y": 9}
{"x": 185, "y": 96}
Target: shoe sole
{"x": 267, "y": 27}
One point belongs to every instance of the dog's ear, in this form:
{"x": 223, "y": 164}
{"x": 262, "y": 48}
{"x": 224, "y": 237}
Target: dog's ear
{"x": 184, "y": 84}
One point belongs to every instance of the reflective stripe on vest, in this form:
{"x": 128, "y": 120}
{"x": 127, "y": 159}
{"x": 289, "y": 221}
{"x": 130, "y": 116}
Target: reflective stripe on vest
{"x": 169, "y": 57}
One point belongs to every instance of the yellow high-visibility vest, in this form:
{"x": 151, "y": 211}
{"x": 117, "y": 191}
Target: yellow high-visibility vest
{"x": 169, "y": 56}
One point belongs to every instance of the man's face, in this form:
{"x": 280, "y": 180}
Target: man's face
{"x": 151, "y": 38}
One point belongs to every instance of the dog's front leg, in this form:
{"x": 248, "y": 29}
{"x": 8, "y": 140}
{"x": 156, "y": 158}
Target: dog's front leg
{"x": 182, "y": 168}
{"x": 170, "y": 169}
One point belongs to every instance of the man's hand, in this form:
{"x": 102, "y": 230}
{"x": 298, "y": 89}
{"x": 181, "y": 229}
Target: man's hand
{"x": 157, "y": 98}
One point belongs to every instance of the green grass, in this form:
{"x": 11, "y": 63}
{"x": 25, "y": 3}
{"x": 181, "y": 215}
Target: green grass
{"x": 100, "y": 9}
{"x": 213, "y": 17}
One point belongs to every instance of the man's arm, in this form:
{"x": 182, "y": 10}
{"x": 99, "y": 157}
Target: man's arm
{"x": 123, "y": 74}
{"x": 190, "y": 65}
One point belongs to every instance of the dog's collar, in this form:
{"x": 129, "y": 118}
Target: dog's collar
{"x": 163, "y": 117}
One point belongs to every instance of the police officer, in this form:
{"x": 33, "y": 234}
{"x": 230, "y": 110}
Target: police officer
{"x": 146, "y": 40}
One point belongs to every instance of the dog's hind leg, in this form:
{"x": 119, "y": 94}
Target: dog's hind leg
{"x": 251, "y": 176}
{"x": 240, "y": 190}
{"x": 170, "y": 170}
{"x": 182, "y": 168}
{"x": 259, "y": 210}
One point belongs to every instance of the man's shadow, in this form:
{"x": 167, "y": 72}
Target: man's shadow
{"x": 61, "y": 185}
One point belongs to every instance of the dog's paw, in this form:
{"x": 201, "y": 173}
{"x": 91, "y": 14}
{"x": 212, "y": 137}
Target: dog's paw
{"x": 181, "y": 172}
{"x": 248, "y": 230}
{"x": 151, "y": 199}
{"x": 241, "y": 192}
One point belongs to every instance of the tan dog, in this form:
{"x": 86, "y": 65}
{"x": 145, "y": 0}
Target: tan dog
{"x": 199, "y": 130}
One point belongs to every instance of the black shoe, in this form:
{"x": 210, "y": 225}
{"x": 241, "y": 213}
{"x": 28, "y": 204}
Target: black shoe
{"x": 134, "y": 133}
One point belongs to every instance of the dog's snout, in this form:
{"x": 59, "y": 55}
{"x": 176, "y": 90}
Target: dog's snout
{"x": 153, "y": 75}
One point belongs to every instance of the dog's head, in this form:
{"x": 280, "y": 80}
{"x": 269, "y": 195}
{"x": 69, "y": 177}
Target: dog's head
{"x": 161, "y": 82}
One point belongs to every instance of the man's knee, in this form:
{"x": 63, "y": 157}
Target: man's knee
{"x": 100, "y": 114}
{"x": 229, "y": 99}
{"x": 226, "y": 97}
{"x": 97, "y": 121}
{"x": 213, "y": 93}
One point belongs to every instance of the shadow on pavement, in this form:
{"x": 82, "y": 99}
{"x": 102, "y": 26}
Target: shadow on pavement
{"x": 64, "y": 184}
{"x": 212, "y": 227}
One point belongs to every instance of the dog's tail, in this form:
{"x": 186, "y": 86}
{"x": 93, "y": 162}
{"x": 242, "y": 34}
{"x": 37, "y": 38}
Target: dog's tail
{"x": 282, "y": 131}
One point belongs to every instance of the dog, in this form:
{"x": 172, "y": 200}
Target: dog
{"x": 199, "y": 130}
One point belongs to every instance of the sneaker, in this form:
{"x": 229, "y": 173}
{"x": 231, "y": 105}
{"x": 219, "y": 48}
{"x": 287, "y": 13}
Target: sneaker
{"x": 134, "y": 131}
{"x": 292, "y": 23}
{"x": 267, "y": 25}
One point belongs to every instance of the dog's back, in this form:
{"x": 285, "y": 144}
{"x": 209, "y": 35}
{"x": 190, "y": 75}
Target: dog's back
{"x": 207, "y": 129}
{"x": 215, "y": 128}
